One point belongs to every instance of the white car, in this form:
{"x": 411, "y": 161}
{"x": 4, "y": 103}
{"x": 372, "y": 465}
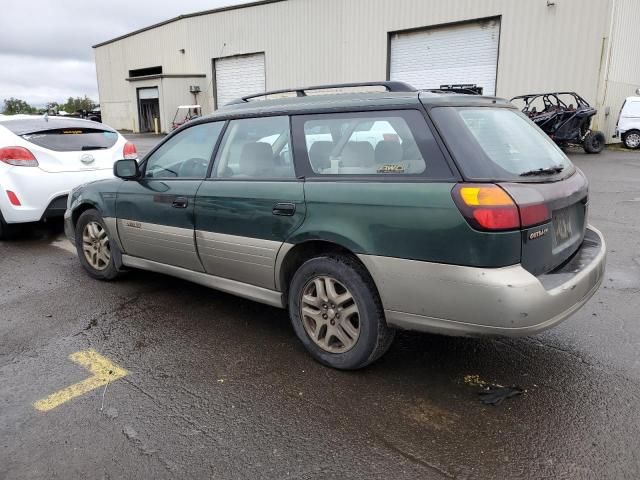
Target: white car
{"x": 43, "y": 158}
{"x": 628, "y": 126}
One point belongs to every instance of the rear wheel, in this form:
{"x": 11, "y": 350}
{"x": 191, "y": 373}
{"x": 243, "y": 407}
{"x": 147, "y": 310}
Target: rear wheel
{"x": 594, "y": 142}
{"x": 94, "y": 246}
{"x": 631, "y": 139}
{"x": 337, "y": 314}
{"x": 3, "y": 228}
{"x": 6, "y": 231}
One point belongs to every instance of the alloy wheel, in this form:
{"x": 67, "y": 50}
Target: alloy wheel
{"x": 633, "y": 140}
{"x": 95, "y": 245}
{"x": 330, "y": 315}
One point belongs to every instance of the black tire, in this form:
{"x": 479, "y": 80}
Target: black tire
{"x": 631, "y": 139}
{"x": 374, "y": 338}
{"x": 3, "y": 228}
{"x": 110, "y": 271}
{"x": 594, "y": 142}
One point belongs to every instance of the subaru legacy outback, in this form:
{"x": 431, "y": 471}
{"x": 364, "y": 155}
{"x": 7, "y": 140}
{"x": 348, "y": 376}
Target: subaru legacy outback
{"x": 360, "y": 213}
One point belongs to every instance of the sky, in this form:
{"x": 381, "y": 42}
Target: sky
{"x": 45, "y": 45}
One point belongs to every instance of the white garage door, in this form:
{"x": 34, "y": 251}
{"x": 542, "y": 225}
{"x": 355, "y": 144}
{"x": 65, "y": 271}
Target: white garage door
{"x": 238, "y": 76}
{"x": 456, "y": 54}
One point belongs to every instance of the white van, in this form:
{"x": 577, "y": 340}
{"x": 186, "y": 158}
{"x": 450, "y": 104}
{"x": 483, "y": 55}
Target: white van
{"x": 628, "y": 126}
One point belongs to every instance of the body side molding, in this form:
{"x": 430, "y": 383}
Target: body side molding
{"x": 251, "y": 292}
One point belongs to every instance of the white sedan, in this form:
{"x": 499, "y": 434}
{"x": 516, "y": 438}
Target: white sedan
{"x": 43, "y": 158}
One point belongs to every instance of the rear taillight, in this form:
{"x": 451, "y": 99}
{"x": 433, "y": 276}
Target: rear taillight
{"x": 489, "y": 207}
{"x": 532, "y": 215}
{"x": 129, "y": 151}
{"x": 13, "y": 198}
{"x": 18, "y": 156}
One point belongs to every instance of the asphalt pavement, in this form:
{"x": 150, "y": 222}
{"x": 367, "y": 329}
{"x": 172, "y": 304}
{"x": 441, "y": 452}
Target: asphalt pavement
{"x": 219, "y": 387}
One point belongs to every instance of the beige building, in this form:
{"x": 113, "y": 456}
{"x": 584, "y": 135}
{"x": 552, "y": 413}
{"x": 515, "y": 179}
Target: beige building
{"x": 509, "y": 47}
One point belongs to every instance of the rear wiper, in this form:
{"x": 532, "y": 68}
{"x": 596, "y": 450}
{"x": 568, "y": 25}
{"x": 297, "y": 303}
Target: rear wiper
{"x": 543, "y": 171}
{"x": 93, "y": 147}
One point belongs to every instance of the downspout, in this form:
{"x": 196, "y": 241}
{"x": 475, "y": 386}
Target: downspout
{"x": 605, "y": 66}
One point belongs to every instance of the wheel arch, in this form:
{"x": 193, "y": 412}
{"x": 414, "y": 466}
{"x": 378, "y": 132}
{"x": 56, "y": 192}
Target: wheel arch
{"x": 292, "y": 256}
{"x": 80, "y": 209}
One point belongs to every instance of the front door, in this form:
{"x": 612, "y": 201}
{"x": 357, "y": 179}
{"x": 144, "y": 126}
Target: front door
{"x": 156, "y": 214}
{"x": 251, "y": 204}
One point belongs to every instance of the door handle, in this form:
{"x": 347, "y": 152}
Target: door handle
{"x": 284, "y": 209}
{"x": 180, "y": 202}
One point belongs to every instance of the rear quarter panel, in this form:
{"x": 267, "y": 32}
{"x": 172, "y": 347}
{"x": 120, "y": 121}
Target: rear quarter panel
{"x": 417, "y": 221}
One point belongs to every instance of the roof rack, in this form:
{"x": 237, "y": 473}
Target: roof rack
{"x": 463, "y": 89}
{"x": 301, "y": 92}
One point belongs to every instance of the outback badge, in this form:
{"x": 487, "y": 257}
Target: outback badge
{"x": 539, "y": 233}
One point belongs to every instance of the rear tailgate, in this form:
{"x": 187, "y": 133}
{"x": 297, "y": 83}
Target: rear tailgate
{"x": 68, "y": 145}
{"x": 548, "y": 245}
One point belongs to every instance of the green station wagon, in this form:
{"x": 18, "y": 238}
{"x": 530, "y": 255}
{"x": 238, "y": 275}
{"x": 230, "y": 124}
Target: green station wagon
{"x": 360, "y": 213}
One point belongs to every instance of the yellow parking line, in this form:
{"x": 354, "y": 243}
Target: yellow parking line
{"x": 103, "y": 370}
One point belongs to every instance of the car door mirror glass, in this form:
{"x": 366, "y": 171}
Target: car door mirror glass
{"x": 126, "y": 169}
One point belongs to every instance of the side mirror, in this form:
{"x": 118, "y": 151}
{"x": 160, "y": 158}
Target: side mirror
{"x": 126, "y": 169}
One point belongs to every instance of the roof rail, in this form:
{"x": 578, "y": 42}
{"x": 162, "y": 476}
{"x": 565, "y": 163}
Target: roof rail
{"x": 391, "y": 86}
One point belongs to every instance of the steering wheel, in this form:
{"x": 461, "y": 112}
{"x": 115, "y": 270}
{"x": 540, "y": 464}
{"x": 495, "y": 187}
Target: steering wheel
{"x": 193, "y": 168}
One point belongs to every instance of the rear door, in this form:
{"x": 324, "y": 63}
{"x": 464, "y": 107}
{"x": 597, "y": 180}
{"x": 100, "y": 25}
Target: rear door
{"x": 156, "y": 214}
{"x": 251, "y": 204}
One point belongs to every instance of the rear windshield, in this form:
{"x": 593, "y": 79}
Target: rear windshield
{"x": 73, "y": 139}
{"x": 500, "y": 144}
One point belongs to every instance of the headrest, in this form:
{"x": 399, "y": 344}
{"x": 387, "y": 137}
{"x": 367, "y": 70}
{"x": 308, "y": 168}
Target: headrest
{"x": 255, "y": 156}
{"x": 320, "y": 155}
{"x": 388, "y": 152}
{"x": 358, "y": 154}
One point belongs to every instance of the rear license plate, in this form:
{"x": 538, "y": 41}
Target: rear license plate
{"x": 562, "y": 225}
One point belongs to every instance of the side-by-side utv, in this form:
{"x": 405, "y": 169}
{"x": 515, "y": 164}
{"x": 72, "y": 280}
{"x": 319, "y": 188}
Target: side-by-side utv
{"x": 565, "y": 117}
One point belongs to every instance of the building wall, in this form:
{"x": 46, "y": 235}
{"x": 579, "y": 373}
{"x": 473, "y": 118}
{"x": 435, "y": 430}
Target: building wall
{"x": 327, "y": 41}
{"x": 623, "y": 77}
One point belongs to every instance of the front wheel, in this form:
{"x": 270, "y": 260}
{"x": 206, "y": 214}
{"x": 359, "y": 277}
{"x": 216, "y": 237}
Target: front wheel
{"x": 594, "y": 142}
{"x": 95, "y": 249}
{"x": 631, "y": 139}
{"x": 337, "y": 314}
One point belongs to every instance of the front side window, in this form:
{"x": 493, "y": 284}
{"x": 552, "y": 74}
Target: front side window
{"x": 375, "y": 143}
{"x": 499, "y": 144}
{"x": 256, "y": 148}
{"x": 185, "y": 155}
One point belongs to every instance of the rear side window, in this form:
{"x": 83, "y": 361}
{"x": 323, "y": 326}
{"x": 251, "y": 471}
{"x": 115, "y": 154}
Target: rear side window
{"x": 73, "y": 139}
{"x": 393, "y": 143}
{"x": 499, "y": 144}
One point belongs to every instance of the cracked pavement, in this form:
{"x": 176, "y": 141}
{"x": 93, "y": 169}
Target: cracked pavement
{"x": 219, "y": 387}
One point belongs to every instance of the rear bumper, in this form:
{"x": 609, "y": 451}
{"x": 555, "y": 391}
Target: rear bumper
{"x": 507, "y": 301}
{"x": 41, "y": 194}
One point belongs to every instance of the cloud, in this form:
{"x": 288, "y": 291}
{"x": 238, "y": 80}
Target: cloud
{"x": 45, "y": 46}
{"x": 46, "y": 79}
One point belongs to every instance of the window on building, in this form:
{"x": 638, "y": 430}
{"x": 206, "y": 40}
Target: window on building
{"x": 143, "y": 72}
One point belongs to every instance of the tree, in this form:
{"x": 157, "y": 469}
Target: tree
{"x": 14, "y": 106}
{"x": 53, "y": 107}
{"x": 78, "y": 103}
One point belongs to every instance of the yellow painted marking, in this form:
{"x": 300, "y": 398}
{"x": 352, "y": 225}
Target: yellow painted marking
{"x": 103, "y": 372}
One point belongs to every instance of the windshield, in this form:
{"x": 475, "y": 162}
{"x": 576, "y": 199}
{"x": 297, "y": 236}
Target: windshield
{"x": 511, "y": 147}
